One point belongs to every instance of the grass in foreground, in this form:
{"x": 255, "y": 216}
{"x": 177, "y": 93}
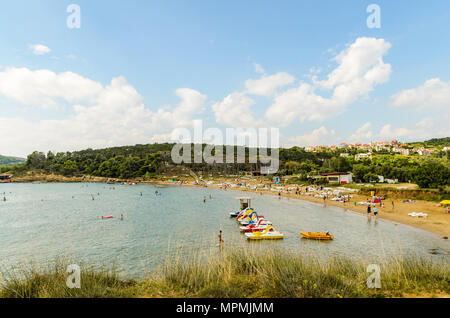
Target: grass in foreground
{"x": 243, "y": 274}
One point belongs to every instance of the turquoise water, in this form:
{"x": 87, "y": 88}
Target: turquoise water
{"x": 42, "y": 222}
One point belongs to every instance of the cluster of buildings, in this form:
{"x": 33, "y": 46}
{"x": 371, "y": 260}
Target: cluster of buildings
{"x": 391, "y": 146}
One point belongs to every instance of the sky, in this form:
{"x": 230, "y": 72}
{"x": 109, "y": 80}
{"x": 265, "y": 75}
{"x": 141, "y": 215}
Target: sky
{"x": 134, "y": 71}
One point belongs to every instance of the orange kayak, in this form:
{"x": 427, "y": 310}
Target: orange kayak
{"x": 317, "y": 236}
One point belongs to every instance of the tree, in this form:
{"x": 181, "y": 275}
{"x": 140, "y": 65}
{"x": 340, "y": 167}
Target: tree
{"x": 432, "y": 175}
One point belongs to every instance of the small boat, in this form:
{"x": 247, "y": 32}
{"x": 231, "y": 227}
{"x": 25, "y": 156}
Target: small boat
{"x": 258, "y": 227}
{"x": 255, "y": 221}
{"x": 253, "y": 218}
{"x": 244, "y": 214}
{"x": 317, "y": 236}
{"x": 268, "y": 234}
{"x": 107, "y": 217}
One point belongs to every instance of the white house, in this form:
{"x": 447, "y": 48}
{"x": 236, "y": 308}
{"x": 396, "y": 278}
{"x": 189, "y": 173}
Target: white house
{"x": 363, "y": 156}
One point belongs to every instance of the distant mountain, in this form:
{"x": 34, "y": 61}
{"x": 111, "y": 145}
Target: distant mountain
{"x": 8, "y": 161}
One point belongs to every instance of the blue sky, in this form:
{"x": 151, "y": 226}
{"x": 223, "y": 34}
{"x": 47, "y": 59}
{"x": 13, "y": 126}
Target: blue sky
{"x": 176, "y": 61}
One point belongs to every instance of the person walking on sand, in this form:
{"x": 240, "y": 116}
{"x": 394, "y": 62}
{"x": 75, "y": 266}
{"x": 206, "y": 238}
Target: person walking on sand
{"x": 369, "y": 210}
{"x": 375, "y": 212}
{"x": 392, "y": 205}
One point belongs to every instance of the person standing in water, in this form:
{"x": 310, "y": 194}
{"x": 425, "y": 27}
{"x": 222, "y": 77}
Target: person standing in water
{"x": 221, "y": 241}
{"x": 369, "y": 210}
{"x": 121, "y": 217}
{"x": 204, "y": 199}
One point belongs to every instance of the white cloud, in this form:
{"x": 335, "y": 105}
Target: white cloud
{"x": 362, "y": 133}
{"x": 45, "y": 88}
{"x": 388, "y": 132}
{"x": 360, "y": 69}
{"x": 433, "y": 94}
{"x": 39, "y": 49}
{"x": 235, "y": 111}
{"x": 108, "y": 116}
{"x": 426, "y": 128}
{"x": 319, "y": 136}
{"x": 267, "y": 85}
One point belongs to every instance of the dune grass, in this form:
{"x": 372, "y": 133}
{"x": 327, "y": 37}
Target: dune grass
{"x": 241, "y": 274}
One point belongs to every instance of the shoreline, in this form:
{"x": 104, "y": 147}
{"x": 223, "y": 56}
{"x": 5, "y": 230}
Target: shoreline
{"x": 437, "y": 221}
{"x": 395, "y": 216}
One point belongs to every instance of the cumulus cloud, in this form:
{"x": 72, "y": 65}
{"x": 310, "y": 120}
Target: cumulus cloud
{"x": 235, "y": 111}
{"x": 267, "y": 85}
{"x": 362, "y": 133}
{"x": 107, "y": 116}
{"x": 433, "y": 94}
{"x": 319, "y": 136}
{"x": 426, "y": 128}
{"x": 39, "y": 49}
{"x": 360, "y": 68}
{"x": 45, "y": 88}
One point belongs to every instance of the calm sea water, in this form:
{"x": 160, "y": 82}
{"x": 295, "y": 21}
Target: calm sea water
{"x": 43, "y": 222}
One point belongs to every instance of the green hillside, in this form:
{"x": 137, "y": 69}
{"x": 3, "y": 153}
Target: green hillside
{"x": 435, "y": 142}
{"x": 8, "y": 161}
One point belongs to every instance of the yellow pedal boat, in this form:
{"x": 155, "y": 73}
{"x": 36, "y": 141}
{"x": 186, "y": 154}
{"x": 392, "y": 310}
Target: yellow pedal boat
{"x": 268, "y": 234}
{"x": 317, "y": 236}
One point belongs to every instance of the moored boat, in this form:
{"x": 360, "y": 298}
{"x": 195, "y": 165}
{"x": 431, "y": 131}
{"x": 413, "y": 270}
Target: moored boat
{"x": 258, "y": 227}
{"x": 268, "y": 234}
{"x": 317, "y": 236}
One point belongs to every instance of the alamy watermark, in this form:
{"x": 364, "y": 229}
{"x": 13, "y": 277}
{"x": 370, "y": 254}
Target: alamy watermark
{"x": 259, "y": 143}
{"x": 74, "y": 19}
{"x": 374, "y": 19}
{"x": 374, "y": 280}
{"x": 74, "y": 278}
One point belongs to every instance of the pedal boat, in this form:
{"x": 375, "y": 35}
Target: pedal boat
{"x": 317, "y": 236}
{"x": 244, "y": 213}
{"x": 258, "y": 227}
{"x": 268, "y": 234}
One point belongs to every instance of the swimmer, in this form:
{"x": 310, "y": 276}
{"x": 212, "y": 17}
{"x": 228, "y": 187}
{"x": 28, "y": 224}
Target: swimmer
{"x": 204, "y": 199}
{"x": 121, "y": 217}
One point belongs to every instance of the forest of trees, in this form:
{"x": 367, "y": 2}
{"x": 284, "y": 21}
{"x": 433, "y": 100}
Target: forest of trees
{"x": 154, "y": 159}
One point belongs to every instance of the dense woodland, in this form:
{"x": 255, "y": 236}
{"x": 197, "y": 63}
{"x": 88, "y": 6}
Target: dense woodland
{"x": 148, "y": 161}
